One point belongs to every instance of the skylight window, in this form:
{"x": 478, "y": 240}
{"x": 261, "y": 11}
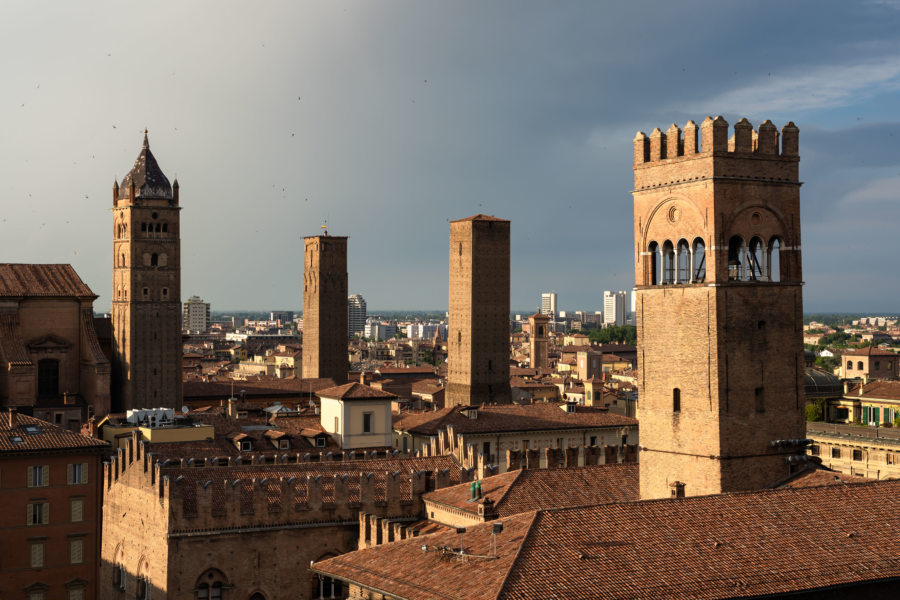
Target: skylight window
{"x": 15, "y": 439}
{"x": 32, "y": 429}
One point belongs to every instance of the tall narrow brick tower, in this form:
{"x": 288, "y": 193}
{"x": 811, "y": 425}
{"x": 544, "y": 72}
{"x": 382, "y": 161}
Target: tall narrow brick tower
{"x": 719, "y": 307}
{"x": 539, "y": 341}
{"x": 146, "y": 304}
{"x": 325, "y": 310}
{"x": 478, "y": 348}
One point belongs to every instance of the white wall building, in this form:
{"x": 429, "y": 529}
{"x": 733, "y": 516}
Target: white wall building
{"x": 548, "y": 304}
{"x": 379, "y": 331}
{"x": 357, "y": 314}
{"x": 614, "y": 308}
{"x": 196, "y": 315}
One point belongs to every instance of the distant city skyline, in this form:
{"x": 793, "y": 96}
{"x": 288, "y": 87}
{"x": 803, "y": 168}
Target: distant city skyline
{"x": 387, "y": 120}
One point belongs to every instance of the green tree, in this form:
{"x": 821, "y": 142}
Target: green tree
{"x": 813, "y": 412}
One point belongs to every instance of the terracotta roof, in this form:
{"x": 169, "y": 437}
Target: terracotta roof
{"x": 531, "y": 489}
{"x": 480, "y": 217}
{"x": 868, "y": 351}
{"x": 543, "y": 416}
{"x": 42, "y": 280}
{"x": 30, "y": 434}
{"x": 355, "y": 391}
{"x": 219, "y": 390}
{"x": 821, "y": 476}
{"x": 889, "y": 390}
{"x": 731, "y": 545}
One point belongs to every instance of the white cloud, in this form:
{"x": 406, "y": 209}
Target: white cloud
{"x": 825, "y": 86}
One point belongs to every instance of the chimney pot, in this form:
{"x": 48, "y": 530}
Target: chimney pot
{"x": 13, "y": 418}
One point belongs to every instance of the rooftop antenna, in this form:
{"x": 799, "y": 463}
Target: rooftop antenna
{"x": 462, "y": 550}
{"x": 325, "y": 227}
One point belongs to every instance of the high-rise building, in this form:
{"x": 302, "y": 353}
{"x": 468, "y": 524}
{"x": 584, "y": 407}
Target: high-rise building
{"x": 376, "y": 330}
{"x": 548, "y": 304}
{"x": 614, "y": 308}
{"x": 356, "y": 305}
{"x": 196, "y": 315}
{"x": 478, "y": 353}
{"x": 719, "y": 308}
{"x": 284, "y": 316}
{"x": 325, "y": 308}
{"x": 146, "y": 302}
{"x": 539, "y": 341}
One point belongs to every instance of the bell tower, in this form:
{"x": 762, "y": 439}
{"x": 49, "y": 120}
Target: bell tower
{"x": 719, "y": 307}
{"x": 146, "y": 306}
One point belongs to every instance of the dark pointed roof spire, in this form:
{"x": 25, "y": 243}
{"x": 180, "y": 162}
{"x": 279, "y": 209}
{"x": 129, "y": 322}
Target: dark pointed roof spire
{"x": 149, "y": 180}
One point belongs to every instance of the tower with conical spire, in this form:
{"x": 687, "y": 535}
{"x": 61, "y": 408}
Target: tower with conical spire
{"x": 146, "y": 295}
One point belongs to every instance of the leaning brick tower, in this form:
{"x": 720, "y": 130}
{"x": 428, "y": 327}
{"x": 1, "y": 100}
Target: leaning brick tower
{"x": 478, "y": 345}
{"x": 325, "y": 308}
{"x": 719, "y": 307}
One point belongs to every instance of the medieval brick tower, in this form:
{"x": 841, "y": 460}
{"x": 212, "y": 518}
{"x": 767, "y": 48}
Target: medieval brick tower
{"x": 146, "y": 304}
{"x": 539, "y": 341}
{"x": 325, "y": 309}
{"x": 478, "y": 348}
{"x": 719, "y": 307}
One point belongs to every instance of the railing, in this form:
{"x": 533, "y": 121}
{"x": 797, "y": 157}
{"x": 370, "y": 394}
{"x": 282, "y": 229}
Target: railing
{"x": 887, "y": 433}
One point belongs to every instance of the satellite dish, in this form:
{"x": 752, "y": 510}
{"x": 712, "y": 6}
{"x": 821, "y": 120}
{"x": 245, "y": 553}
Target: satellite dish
{"x": 184, "y": 410}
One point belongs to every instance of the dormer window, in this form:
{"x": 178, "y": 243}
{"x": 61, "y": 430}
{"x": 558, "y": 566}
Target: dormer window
{"x": 246, "y": 446}
{"x": 570, "y": 407}
{"x": 320, "y": 442}
{"x": 284, "y": 444}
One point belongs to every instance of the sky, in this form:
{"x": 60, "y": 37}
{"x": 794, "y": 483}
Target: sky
{"x": 389, "y": 119}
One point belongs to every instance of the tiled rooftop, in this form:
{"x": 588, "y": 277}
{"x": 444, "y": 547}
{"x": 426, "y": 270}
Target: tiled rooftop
{"x": 531, "y": 489}
{"x": 510, "y": 417}
{"x": 30, "y": 434}
{"x": 42, "y": 280}
{"x": 355, "y": 391}
{"x": 731, "y": 545}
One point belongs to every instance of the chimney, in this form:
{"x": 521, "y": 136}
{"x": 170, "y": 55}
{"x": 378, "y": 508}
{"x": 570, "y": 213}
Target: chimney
{"x": 232, "y": 408}
{"x": 13, "y": 418}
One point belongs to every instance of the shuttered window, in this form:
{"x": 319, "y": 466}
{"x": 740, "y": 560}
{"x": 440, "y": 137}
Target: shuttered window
{"x": 36, "y": 595}
{"x": 76, "y": 473}
{"x": 76, "y": 594}
{"x": 38, "y": 476}
{"x": 77, "y": 512}
{"x": 37, "y": 513}
{"x": 76, "y": 551}
{"x": 37, "y": 554}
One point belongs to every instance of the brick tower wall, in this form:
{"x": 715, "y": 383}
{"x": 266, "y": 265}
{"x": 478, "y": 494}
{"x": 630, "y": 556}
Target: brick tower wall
{"x": 731, "y": 343}
{"x": 325, "y": 309}
{"x": 478, "y": 353}
{"x": 147, "y": 344}
{"x": 539, "y": 343}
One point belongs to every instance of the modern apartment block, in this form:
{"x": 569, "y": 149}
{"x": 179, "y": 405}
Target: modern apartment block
{"x": 614, "y": 307}
{"x": 196, "y": 315}
{"x": 356, "y": 307}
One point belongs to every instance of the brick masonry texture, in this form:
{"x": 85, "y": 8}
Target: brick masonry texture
{"x": 733, "y": 349}
{"x": 325, "y": 308}
{"x": 478, "y": 353}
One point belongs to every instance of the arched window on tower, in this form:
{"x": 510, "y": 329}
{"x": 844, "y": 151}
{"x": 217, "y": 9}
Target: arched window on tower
{"x": 676, "y": 400}
{"x": 122, "y": 260}
{"x": 668, "y": 255}
{"x": 165, "y": 227}
{"x": 653, "y": 252}
{"x": 736, "y": 252}
{"x": 154, "y": 260}
{"x": 698, "y": 261}
{"x": 683, "y": 256}
{"x": 773, "y": 260}
{"x": 158, "y": 227}
{"x": 756, "y": 260}
{"x": 143, "y": 227}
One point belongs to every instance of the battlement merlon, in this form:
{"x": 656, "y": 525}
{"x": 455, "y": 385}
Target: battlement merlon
{"x": 677, "y": 156}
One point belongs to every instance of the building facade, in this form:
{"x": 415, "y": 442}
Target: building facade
{"x": 478, "y": 354}
{"x": 325, "y": 319}
{"x": 50, "y": 494}
{"x": 196, "y": 315}
{"x": 548, "y": 304}
{"x": 718, "y": 282}
{"x": 51, "y": 362}
{"x": 146, "y": 301}
{"x": 614, "y": 308}
{"x": 356, "y": 307}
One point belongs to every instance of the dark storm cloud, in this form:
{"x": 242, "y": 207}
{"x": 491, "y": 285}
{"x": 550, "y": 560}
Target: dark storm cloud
{"x": 389, "y": 119}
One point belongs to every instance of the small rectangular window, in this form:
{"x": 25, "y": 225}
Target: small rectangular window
{"x": 284, "y": 444}
{"x": 759, "y": 400}
{"x": 37, "y": 513}
{"x": 77, "y": 473}
{"x": 320, "y": 442}
{"x": 835, "y": 453}
{"x": 38, "y": 476}
{"x": 76, "y": 551}
{"x": 857, "y": 454}
{"x": 367, "y": 422}
{"x": 37, "y": 555}
{"x": 814, "y": 450}
{"x": 76, "y": 512}
{"x": 246, "y": 446}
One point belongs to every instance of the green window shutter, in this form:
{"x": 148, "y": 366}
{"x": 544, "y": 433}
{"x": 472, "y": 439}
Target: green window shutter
{"x": 30, "y": 477}
{"x": 45, "y": 513}
{"x": 865, "y": 414}
{"x": 46, "y": 479}
{"x": 875, "y": 414}
{"x": 69, "y": 479}
{"x": 84, "y": 469}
